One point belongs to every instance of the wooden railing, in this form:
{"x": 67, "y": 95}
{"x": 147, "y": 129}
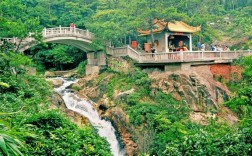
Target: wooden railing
{"x": 182, "y": 56}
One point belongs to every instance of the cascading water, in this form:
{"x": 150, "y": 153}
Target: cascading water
{"x": 83, "y": 107}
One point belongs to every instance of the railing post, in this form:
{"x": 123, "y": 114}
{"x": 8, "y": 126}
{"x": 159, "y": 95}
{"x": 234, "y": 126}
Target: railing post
{"x": 74, "y": 29}
{"x": 45, "y": 31}
{"x": 181, "y": 55}
{"x": 139, "y": 58}
{"x": 87, "y": 33}
{"x": 60, "y": 28}
{"x": 202, "y": 54}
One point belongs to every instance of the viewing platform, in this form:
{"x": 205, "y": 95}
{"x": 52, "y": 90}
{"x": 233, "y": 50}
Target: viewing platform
{"x": 177, "y": 57}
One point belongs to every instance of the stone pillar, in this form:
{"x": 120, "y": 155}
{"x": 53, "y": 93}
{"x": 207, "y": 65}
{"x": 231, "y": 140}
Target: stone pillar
{"x": 166, "y": 42}
{"x": 96, "y": 62}
{"x": 190, "y": 42}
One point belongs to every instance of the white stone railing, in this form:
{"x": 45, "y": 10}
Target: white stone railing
{"x": 119, "y": 51}
{"x": 53, "y": 32}
{"x": 132, "y": 53}
{"x": 181, "y": 56}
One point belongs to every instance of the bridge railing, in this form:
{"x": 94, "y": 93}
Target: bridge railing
{"x": 119, "y": 51}
{"x": 67, "y": 31}
{"x": 160, "y": 57}
{"x": 208, "y": 55}
{"x": 181, "y": 56}
{"x": 133, "y": 53}
{"x": 10, "y": 40}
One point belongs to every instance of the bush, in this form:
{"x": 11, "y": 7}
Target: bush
{"x": 81, "y": 69}
{"x": 212, "y": 143}
{"x": 58, "y": 136}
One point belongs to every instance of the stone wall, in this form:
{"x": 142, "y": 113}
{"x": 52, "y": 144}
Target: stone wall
{"x": 96, "y": 62}
{"x": 226, "y": 71}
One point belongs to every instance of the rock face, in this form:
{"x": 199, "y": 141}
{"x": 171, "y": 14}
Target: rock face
{"x": 93, "y": 88}
{"x": 55, "y": 82}
{"x": 121, "y": 123}
{"x": 64, "y": 74}
{"x": 196, "y": 88}
{"x": 58, "y": 103}
{"x": 119, "y": 64}
{"x": 226, "y": 71}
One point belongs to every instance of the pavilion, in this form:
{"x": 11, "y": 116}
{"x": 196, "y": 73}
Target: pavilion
{"x": 169, "y": 36}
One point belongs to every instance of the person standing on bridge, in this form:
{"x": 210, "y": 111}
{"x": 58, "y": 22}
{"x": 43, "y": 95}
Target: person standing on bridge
{"x": 198, "y": 45}
{"x": 72, "y": 26}
{"x": 203, "y": 47}
{"x": 153, "y": 51}
{"x": 226, "y": 48}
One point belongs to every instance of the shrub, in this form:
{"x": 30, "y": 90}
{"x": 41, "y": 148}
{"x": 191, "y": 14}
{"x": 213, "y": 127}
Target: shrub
{"x": 81, "y": 69}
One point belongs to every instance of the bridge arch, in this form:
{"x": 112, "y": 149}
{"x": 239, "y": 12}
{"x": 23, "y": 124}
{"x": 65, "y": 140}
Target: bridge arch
{"x": 63, "y": 35}
{"x": 78, "y": 38}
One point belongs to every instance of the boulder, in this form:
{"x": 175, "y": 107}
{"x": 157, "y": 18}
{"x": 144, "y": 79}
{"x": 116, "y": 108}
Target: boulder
{"x": 56, "y": 82}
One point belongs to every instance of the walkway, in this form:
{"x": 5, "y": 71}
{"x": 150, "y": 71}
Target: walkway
{"x": 64, "y": 35}
{"x": 182, "y": 56}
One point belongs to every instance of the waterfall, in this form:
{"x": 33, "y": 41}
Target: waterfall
{"x": 85, "y": 108}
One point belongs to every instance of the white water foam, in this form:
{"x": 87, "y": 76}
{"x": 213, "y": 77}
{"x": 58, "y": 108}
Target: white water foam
{"x": 83, "y": 107}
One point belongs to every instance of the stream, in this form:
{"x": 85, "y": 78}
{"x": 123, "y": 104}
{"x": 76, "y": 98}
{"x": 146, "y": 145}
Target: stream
{"x": 85, "y": 108}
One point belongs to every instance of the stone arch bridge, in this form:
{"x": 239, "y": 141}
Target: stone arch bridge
{"x": 78, "y": 38}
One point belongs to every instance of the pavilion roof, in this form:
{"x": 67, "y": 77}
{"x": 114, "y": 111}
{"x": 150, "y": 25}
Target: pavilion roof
{"x": 176, "y": 26}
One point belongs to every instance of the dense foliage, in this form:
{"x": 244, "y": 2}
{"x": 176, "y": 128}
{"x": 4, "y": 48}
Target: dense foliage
{"x": 159, "y": 124}
{"x": 27, "y": 126}
{"x": 241, "y": 103}
{"x": 24, "y": 107}
{"x": 117, "y": 21}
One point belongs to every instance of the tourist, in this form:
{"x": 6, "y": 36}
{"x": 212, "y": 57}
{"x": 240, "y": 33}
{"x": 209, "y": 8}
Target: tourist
{"x": 219, "y": 48}
{"x": 198, "y": 45}
{"x": 185, "y": 48}
{"x": 153, "y": 50}
{"x": 72, "y": 26}
{"x": 226, "y": 48}
{"x": 214, "y": 48}
{"x": 203, "y": 47}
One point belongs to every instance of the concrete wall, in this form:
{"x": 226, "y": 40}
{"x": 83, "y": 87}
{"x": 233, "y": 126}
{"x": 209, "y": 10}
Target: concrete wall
{"x": 96, "y": 62}
{"x": 178, "y": 67}
{"x": 96, "y": 58}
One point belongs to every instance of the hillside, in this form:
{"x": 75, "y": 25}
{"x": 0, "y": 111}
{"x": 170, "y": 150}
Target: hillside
{"x": 151, "y": 108}
{"x": 197, "y": 112}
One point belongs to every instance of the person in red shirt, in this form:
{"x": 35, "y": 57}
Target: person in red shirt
{"x": 72, "y": 26}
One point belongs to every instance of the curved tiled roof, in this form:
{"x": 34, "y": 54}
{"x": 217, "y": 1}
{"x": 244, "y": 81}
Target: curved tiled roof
{"x": 176, "y": 26}
{"x": 179, "y": 26}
